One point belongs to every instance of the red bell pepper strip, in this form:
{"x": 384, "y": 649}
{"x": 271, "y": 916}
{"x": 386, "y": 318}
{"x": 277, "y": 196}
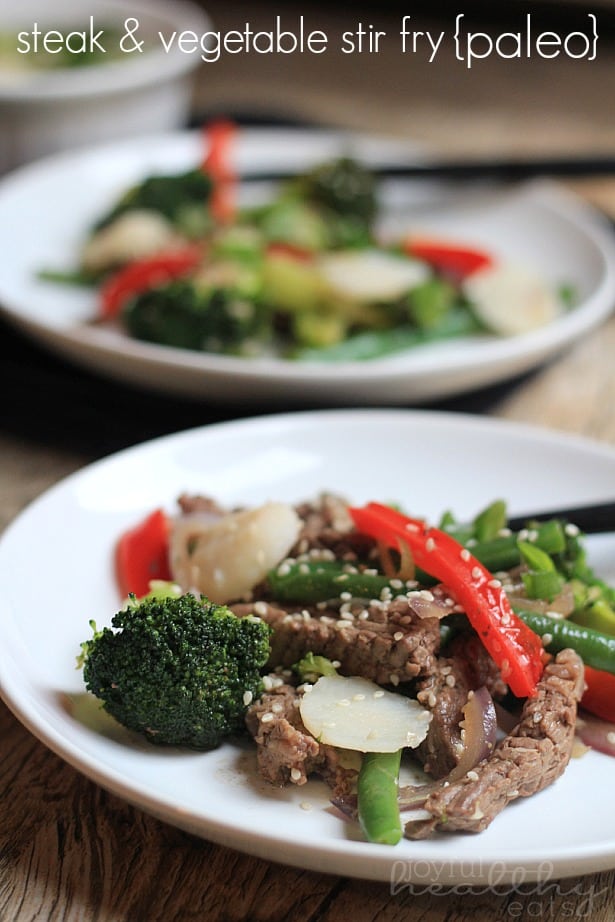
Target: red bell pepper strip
{"x": 457, "y": 262}
{"x": 515, "y": 648}
{"x": 142, "y": 554}
{"x": 599, "y": 695}
{"x": 219, "y": 137}
{"x": 143, "y": 274}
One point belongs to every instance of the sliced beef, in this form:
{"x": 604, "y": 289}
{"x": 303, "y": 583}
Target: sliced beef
{"x": 327, "y": 525}
{"x": 286, "y": 752}
{"x": 523, "y": 763}
{"x": 394, "y": 643}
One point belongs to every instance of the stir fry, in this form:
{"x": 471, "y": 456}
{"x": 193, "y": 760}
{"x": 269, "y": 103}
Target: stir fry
{"x": 306, "y": 275}
{"x": 351, "y": 642}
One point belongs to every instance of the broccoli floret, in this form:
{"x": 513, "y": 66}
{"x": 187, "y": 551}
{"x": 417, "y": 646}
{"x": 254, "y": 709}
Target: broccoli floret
{"x": 181, "y": 198}
{"x": 191, "y": 316}
{"x": 313, "y": 666}
{"x": 346, "y": 192}
{"x": 179, "y": 670}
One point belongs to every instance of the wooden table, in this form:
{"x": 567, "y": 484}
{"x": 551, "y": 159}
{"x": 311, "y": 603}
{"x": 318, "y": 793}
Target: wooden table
{"x": 69, "y": 851}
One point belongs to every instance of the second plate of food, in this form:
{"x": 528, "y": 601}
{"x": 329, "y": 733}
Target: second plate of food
{"x": 556, "y": 241}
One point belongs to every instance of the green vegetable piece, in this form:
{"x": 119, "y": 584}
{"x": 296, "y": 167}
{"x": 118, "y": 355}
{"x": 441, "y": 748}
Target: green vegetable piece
{"x": 186, "y": 316}
{"x": 594, "y": 647}
{"x": 599, "y": 617}
{"x": 543, "y": 584}
{"x": 488, "y": 523}
{"x": 316, "y": 329}
{"x": 343, "y": 188}
{"x": 296, "y": 223}
{"x": 537, "y": 559}
{"x": 180, "y": 198}
{"x": 429, "y": 302}
{"x": 312, "y": 667}
{"x": 374, "y": 344}
{"x": 179, "y": 670}
{"x": 322, "y": 581}
{"x": 377, "y": 792}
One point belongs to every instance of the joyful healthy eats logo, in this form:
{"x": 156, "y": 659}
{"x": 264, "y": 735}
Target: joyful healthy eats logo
{"x": 292, "y": 35}
{"x": 523, "y": 898}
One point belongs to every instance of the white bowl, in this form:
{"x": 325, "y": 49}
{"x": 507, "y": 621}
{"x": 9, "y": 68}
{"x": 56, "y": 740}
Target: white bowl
{"x": 46, "y": 110}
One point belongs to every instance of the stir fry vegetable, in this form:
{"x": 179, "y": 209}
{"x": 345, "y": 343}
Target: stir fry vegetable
{"x": 309, "y": 268}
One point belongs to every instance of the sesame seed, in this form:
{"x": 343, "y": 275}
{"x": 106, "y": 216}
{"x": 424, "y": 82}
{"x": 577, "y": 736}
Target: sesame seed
{"x": 343, "y": 622}
{"x": 427, "y": 595}
{"x": 305, "y": 805}
{"x": 260, "y": 608}
{"x": 450, "y": 681}
{"x": 430, "y": 544}
{"x": 431, "y": 700}
{"x": 465, "y": 554}
{"x": 277, "y": 707}
{"x": 267, "y": 683}
{"x": 372, "y": 735}
{"x": 396, "y": 584}
{"x": 394, "y": 679}
{"x": 328, "y": 723}
{"x": 283, "y": 569}
{"x": 472, "y": 775}
{"x": 267, "y": 717}
{"x": 358, "y": 697}
{"x": 398, "y": 635}
{"x": 477, "y": 573}
{"x": 343, "y": 702}
{"x": 495, "y": 583}
{"x": 345, "y": 596}
{"x": 295, "y": 774}
{"x": 247, "y": 698}
{"x": 379, "y": 693}
{"x": 412, "y": 527}
{"x": 571, "y": 530}
{"x": 611, "y": 737}
{"x": 304, "y": 569}
{"x": 546, "y": 639}
{"x": 537, "y": 717}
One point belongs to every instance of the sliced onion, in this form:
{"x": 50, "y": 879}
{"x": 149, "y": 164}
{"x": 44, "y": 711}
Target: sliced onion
{"x": 479, "y": 726}
{"x": 596, "y": 733}
{"x": 405, "y": 569}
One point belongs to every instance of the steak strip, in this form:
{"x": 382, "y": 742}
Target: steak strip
{"x": 524, "y": 762}
{"x": 393, "y": 644}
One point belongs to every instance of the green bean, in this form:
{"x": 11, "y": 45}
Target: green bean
{"x": 373, "y": 344}
{"x": 377, "y": 790}
{"x": 490, "y": 521}
{"x": 595, "y": 648}
{"x": 323, "y": 580}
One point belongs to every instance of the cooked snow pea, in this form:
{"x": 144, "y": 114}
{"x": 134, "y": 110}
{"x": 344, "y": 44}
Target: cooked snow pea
{"x": 377, "y": 790}
{"x": 373, "y": 344}
{"x": 595, "y": 648}
{"x": 319, "y": 581}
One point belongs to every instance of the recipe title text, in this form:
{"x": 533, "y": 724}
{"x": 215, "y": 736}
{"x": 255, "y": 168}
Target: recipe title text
{"x": 292, "y": 35}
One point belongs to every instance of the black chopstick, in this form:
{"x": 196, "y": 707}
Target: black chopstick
{"x": 592, "y": 519}
{"x": 509, "y": 170}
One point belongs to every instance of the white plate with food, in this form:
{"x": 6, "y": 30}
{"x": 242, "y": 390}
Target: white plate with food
{"x": 556, "y": 241}
{"x": 428, "y": 462}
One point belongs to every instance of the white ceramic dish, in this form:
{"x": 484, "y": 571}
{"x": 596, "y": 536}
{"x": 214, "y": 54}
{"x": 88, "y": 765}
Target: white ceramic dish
{"x": 432, "y": 461}
{"x": 537, "y": 224}
{"x": 127, "y": 95}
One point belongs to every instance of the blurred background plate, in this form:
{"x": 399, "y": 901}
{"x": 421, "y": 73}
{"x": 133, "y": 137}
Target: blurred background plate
{"x": 537, "y": 223}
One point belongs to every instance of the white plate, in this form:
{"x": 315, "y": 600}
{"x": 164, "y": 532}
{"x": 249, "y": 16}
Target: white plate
{"x": 50, "y": 206}
{"x": 56, "y": 574}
